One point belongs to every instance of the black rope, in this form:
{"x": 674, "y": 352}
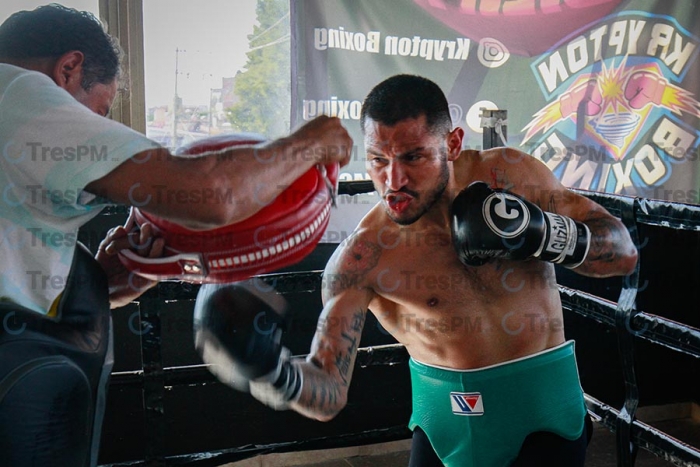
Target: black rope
{"x": 153, "y": 389}
{"x": 669, "y": 214}
{"x": 652, "y": 328}
{"x": 218, "y": 458}
{"x": 655, "y": 441}
{"x": 188, "y": 375}
{"x": 623, "y": 315}
{"x": 626, "y": 309}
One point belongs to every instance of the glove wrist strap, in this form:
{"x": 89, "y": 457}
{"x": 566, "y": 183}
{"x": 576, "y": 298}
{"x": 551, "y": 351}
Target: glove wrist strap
{"x": 281, "y": 387}
{"x": 567, "y": 241}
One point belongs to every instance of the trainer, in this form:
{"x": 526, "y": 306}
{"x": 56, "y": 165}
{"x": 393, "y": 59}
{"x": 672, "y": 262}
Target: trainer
{"x": 62, "y": 162}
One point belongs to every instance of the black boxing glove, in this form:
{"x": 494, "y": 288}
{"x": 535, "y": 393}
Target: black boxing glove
{"x": 238, "y": 330}
{"x": 492, "y": 223}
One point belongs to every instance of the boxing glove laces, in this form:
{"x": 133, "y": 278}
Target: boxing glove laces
{"x": 494, "y": 223}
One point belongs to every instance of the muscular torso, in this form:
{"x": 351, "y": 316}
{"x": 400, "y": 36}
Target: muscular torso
{"x": 448, "y": 314}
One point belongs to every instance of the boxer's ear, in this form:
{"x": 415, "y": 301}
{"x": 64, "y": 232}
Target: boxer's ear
{"x": 454, "y": 143}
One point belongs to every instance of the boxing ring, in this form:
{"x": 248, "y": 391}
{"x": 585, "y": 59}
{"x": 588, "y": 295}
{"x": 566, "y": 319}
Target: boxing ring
{"x": 614, "y": 308}
{"x": 637, "y": 343}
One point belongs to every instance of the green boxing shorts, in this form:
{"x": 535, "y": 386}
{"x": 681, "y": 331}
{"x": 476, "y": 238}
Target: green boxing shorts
{"x": 480, "y": 418}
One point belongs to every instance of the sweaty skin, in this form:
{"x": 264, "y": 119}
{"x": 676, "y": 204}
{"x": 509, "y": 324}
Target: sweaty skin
{"x": 400, "y": 264}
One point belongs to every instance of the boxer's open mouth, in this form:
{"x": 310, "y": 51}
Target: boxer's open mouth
{"x": 398, "y": 202}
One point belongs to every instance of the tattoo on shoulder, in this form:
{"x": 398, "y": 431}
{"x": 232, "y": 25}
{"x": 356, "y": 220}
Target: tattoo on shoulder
{"x": 499, "y": 179}
{"x": 358, "y": 257}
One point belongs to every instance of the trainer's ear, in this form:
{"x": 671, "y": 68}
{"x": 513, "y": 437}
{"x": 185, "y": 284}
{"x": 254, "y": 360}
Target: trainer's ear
{"x": 454, "y": 143}
{"x": 68, "y": 71}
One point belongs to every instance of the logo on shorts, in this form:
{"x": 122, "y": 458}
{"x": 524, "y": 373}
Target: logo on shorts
{"x": 467, "y": 403}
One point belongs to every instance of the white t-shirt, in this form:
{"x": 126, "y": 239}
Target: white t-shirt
{"x": 51, "y": 147}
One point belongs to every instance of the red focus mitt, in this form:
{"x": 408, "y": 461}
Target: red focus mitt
{"x": 280, "y": 234}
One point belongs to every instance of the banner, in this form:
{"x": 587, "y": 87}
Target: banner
{"x": 605, "y": 92}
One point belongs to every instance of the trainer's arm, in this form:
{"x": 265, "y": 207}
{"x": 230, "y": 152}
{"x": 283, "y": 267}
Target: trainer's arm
{"x": 226, "y": 186}
{"x": 124, "y": 285}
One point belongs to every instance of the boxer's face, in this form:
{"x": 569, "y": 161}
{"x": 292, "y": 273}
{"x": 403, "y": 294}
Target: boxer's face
{"x": 408, "y": 165}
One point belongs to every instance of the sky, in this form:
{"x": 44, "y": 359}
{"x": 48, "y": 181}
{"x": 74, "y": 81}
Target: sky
{"x": 212, "y": 34}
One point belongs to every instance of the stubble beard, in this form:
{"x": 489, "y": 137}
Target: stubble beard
{"x": 432, "y": 197}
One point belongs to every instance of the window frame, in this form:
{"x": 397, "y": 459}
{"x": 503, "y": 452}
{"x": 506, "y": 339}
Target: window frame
{"x": 124, "y": 21}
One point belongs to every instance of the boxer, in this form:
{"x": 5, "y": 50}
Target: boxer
{"x": 494, "y": 380}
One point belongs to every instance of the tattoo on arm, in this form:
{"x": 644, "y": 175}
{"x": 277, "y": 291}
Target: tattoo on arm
{"x": 605, "y": 236}
{"x": 345, "y": 359}
{"x": 339, "y": 353}
{"x": 324, "y": 392}
{"x": 354, "y": 262}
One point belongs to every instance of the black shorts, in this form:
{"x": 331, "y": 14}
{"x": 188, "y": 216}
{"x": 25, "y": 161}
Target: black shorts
{"x": 539, "y": 449}
{"x": 54, "y": 374}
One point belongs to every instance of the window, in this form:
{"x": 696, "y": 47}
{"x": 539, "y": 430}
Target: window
{"x": 207, "y": 67}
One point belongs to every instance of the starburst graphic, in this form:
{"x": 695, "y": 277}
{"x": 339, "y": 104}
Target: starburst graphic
{"x": 615, "y": 103}
{"x": 679, "y": 101}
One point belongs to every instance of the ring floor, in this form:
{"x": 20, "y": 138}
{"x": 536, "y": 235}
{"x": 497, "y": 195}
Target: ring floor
{"x": 681, "y": 421}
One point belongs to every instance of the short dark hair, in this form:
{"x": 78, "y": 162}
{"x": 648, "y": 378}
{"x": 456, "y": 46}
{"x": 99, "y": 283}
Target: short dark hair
{"x": 407, "y": 96}
{"x": 50, "y": 31}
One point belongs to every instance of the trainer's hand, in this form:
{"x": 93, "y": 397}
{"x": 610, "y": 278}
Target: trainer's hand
{"x": 238, "y": 332}
{"x": 124, "y": 285}
{"x": 328, "y": 140}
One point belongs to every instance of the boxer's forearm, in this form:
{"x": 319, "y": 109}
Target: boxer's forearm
{"x": 327, "y": 371}
{"x": 612, "y": 252}
{"x": 322, "y": 395}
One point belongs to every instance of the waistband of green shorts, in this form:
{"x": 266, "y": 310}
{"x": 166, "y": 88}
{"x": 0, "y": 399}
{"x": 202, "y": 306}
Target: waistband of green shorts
{"x": 508, "y": 368}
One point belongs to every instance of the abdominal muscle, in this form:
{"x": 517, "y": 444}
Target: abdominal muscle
{"x": 462, "y": 317}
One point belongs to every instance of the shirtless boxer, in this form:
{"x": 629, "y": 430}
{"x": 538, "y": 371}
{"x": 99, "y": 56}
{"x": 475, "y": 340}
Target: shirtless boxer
{"x": 463, "y": 275}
